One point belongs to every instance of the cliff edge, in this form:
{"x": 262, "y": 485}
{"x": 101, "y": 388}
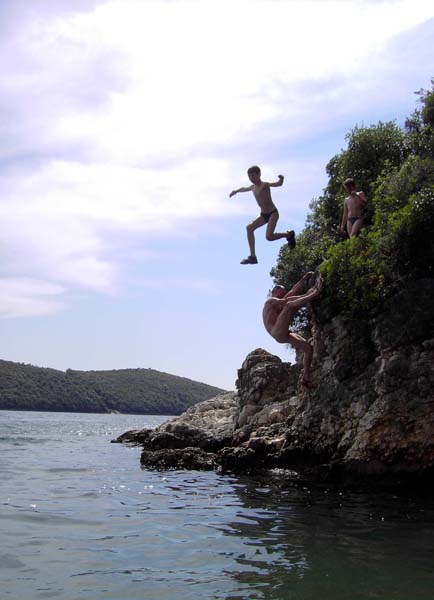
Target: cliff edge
{"x": 371, "y": 412}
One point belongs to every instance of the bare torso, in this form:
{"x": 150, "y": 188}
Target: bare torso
{"x": 277, "y": 316}
{"x": 355, "y": 204}
{"x": 263, "y": 197}
{"x": 270, "y": 312}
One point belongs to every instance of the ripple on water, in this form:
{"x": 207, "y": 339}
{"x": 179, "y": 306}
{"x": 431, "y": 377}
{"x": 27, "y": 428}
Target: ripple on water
{"x": 83, "y": 521}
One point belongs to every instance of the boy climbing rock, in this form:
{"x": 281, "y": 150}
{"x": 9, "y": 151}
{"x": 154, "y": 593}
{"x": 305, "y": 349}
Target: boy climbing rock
{"x": 269, "y": 214}
{"x": 354, "y": 205}
{"x": 279, "y": 312}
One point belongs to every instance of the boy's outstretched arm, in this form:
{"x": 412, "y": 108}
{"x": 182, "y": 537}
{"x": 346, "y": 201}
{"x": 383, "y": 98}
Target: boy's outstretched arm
{"x": 277, "y": 183}
{"x": 298, "y": 286}
{"x": 241, "y": 189}
{"x": 344, "y": 217}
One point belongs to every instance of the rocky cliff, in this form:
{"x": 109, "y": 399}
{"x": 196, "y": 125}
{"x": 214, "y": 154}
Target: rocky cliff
{"x": 371, "y": 412}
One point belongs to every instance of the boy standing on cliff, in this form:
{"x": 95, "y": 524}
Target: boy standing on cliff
{"x": 269, "y": 214}
{"x": 354, "y": 205}
{"x": 279, "y": 312}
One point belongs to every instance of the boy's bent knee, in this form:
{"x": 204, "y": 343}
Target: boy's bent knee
{"x": 280, "y": 336}
{"x": 299, "y": 343}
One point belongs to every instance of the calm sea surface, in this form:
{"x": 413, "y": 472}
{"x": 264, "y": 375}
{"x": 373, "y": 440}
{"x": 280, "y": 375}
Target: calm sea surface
{"x": 79, "y": 519}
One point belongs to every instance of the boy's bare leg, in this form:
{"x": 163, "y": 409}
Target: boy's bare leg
{"x": 284, "y": 320}
{"x": 300, "y": 284}
{"x": 280, "y": 330}
{"x": 296, "y": 341}
{"x": 356, "y": 228}
{"x": 296, "y": 302}
{"x": 299, "y": 343}
{"x": 251, "y": 227}
{"x": 271, "y": 226}
{"x": 281, "y": 334}
{"x": 310, "y": 291}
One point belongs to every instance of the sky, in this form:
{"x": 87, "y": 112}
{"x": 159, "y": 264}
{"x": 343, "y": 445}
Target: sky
{"x": 125, "y": 125}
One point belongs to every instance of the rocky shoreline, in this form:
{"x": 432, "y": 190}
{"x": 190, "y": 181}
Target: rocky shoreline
{"x": 371, "y": 413}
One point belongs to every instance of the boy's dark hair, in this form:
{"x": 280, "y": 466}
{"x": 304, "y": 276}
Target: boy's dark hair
{"x": 278, "y": 287}
{"x": 350, "y": 182}
{"x": 254, "y": 169}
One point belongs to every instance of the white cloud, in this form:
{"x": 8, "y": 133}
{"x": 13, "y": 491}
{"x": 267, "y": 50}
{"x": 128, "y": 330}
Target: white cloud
{"x": 41, "y": 239}
{"x": 210, "y": 72}
{"x": 58, "y": 221}
{"x": 123, "y": 120}
{"x": 28, "y": 297}
{"x": 138, "y": 80}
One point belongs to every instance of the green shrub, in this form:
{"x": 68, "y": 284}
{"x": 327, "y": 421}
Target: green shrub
{"x": 392, "y": 191}
{"x": 355, "y": 279}
{"x": 410, "y": 240}
{"x": 395, "y": 168}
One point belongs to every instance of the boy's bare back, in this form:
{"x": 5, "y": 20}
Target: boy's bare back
{"x": 272, "y": 309}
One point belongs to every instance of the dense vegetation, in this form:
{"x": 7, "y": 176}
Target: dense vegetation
{"x": 395, "y": 169}
{"x": 133, "y": 391}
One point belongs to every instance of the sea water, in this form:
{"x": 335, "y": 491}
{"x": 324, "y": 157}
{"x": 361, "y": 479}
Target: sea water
{"x": 80, "y": 519}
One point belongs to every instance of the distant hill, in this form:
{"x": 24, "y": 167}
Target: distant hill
{"x": 133, "y": 391}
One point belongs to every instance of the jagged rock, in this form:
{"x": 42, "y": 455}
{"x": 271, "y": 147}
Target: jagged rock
{"x": 208, "y": 425}
{"x": 169, "y": 459}
{"x": 134, "y": 436}
{"x": 371, "y": 412}
{"x": 266, "y": 386}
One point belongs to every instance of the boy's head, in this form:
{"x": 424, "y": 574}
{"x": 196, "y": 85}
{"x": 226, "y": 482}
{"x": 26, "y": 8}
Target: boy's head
{"x": 349, "y": 185}
{"x": 254, "y": 174}
{"x": 278, "y": 291}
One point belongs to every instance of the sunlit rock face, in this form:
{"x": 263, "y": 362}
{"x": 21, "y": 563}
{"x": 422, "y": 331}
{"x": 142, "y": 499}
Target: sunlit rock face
{"x": 191, "y": 440}
{"x": 371, "y": 411}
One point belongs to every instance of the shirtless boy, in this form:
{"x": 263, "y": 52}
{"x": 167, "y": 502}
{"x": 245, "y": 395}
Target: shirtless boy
{"x": 269, "y": 214}
{"x": 354, "y": 204}
{"x": 278, "y": 314}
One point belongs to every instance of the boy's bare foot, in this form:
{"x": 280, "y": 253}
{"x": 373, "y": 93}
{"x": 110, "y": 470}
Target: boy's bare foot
{"x": 250, "y": 260}
{"x": 290, "y": 238}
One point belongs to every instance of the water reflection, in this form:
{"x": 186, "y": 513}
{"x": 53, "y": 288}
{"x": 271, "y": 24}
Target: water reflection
{"x": 325, "y": 543}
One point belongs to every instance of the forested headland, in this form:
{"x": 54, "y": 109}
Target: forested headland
{"x": 131, "y": 391}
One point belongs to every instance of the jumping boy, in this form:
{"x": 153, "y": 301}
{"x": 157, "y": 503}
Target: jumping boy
{"x": 279, "y": 312}
{"x": 354, "y": 205}
{"x": 269, "y": 214}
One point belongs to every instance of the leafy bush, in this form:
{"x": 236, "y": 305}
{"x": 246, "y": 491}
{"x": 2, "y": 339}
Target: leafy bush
{"x": 393, "y": 190}
{"x": 409, "y": 239}
{"x": 395, "y": 168}
{"x": 355, "y": 279}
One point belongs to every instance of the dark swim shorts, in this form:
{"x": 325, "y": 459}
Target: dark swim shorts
{"x": 266, "y": 216}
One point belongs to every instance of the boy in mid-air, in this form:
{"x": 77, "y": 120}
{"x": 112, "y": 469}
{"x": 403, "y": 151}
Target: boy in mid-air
{"x": 269, "y": 214}
{"x": 354, "y": 205}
